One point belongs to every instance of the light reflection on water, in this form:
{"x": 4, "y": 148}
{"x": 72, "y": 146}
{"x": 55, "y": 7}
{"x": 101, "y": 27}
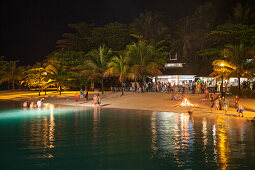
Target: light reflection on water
{"x": 178, "y": 136}
{"x": 159, "y": 140}
{"x": 42, "y": 134}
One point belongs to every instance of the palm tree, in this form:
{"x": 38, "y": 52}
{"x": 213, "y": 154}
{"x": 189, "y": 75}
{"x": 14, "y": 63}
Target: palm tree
{"x": 146, "y": 59}
{"x": 12, "y": 73}
{"x": 235, "y": 61}
{"x": 96, "y": 65}
{"x": 56, "y": 74}
{"x": 36, "y": 76}
{"x": 119, "y": 66}
{"x": 149, "y": 26}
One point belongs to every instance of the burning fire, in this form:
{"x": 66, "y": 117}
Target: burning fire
{"x": 185, "y": 103}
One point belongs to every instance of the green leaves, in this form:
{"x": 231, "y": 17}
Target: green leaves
{"x": 146, "y": 58}
{"x": 11, "y": 72}
{"x": 233, "y": 34}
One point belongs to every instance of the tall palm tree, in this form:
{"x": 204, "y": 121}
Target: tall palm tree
{"x": 149, "y": 26}
{"x": 96, "y": 65}
{"x": 146, "y": 59}
{"x": 12, "y": 73}
{"x": 56, "y": 74}
{"x": 119, "y": 67}
{"x": 236, "y": 61}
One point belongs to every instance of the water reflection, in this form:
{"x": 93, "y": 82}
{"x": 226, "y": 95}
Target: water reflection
{"x": 210, "y": 137}
{"x": 86, "y": 139}
{"x": 222, "y": 144}
{"x": 171, "y": 136}
{"x": 96, "y": 119}
{"x": 42, "y": 136}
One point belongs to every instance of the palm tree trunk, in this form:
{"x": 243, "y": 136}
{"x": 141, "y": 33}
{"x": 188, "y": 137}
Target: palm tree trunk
{"x": 39, "y": 92}
{"x": 102, "y": 85}
{"x": 8, "y": 85}
{"x": 122, "y": 91}
{"x": 45, "y": 91}
{"x": 12, "y": 85}
{"x": 239, "y": 85}
{"x": 142, "y": 83}
{"x": 92, "y": 84}
{"x": 135, "y": 85}
{"x": 60, "y": 90}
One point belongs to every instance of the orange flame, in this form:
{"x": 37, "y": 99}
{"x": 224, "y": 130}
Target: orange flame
{"x": 185, "y": 103}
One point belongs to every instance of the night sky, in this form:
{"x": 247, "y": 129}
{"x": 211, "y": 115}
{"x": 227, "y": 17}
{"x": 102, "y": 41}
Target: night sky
{"x": 30, "y": 28}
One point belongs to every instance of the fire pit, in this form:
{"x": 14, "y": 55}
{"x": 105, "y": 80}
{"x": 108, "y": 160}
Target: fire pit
{"x": 186, "y": 103}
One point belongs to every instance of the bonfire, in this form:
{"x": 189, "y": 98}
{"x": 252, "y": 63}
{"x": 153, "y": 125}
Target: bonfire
{"x": 186, "y": 103}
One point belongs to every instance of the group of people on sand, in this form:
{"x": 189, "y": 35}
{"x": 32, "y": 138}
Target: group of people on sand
{"x": 222, "y": 103}
{"x": 38, "y": 104}
{"x": 84, "y": 94}
{"x": 219, "y": 102}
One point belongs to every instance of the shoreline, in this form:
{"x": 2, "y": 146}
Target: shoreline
{"x": 148, "y": 101}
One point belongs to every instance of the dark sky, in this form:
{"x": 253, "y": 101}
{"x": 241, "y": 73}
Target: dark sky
{"x": 29, "y": 28}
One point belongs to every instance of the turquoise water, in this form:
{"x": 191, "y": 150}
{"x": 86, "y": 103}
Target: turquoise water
{"x": 79, "y": 138}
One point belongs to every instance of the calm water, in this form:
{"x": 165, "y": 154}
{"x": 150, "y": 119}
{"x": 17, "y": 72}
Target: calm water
{"x": 76, "y": 138}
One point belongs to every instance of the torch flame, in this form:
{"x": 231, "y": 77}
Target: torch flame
{"x": 185, "y": 103}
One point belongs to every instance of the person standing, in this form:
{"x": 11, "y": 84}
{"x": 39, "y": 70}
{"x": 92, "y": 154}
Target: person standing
{"x": 86, "y": 94}
{"x": 215, "y": 89}
{"x": 183, "y": 87}
{"x": 76, "y": 98}
{"x": 193, "y": 87}
{"x": 198, "y": 88}
{"x": 225, "y": 104}
{"x": 206, "y": 94}
{"x": 81, "y": 94}
{"x": 95, "y": 100}
{"x": 98, "y": 100}
{"x": 39, "y": 103}
{"x": 240, "y": 109}
{"x": 236, "y": 101}
{"x": 217, "y": 105}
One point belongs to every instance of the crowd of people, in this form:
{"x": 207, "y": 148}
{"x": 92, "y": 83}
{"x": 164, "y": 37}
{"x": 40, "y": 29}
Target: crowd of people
{"x": 193, "y": 87}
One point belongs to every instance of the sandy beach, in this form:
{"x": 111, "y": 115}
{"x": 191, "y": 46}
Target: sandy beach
{"x": 146, "y": 101}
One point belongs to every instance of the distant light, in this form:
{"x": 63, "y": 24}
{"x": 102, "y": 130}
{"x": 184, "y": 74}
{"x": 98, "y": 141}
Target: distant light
{"x": 222, "y": 65}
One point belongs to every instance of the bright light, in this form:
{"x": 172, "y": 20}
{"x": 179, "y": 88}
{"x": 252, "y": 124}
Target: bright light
{"x": 185, "y": 103}
{"x": 222, "y": 65}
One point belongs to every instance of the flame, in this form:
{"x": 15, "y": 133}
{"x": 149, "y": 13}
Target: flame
{"x": 185, "y": 103}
